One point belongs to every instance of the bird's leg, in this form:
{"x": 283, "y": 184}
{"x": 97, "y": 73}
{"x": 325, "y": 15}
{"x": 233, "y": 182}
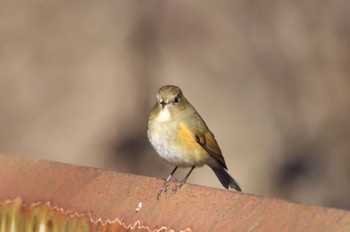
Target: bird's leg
{"x": 179, "y": 184}
{"x": 167, "y": 183}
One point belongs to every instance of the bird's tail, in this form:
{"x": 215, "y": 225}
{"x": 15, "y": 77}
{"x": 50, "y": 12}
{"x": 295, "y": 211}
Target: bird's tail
{"x": 226, "y": 180}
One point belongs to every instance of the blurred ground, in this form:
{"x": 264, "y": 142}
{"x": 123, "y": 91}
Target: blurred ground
{"x": 271, "y": 79}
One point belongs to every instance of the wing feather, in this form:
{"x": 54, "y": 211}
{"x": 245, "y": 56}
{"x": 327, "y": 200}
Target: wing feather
{"x": 208, "y": 142}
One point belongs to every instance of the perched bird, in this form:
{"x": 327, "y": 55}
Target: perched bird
{"x": 180, "y": 136}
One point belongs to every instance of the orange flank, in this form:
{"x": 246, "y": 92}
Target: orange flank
{"x": 186, "y": 138}
{"x": 189, "y": 144}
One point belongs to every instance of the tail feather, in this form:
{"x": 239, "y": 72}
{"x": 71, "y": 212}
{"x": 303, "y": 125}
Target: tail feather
{"x": 226, "y": 180}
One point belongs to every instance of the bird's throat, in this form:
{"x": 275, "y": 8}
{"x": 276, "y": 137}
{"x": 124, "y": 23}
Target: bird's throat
{"x": 164, "y": 114}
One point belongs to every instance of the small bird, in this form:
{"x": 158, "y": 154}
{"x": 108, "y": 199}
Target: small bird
{"x": 180, "y": 136}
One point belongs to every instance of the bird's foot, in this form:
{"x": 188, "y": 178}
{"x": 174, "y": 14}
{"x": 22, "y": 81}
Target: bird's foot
{"x": 178, "y": 186}
{"x": 165, "y": 187}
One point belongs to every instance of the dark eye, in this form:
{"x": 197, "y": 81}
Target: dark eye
{"x": 177, "y": 97}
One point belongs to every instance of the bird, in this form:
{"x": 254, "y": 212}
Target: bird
{"x": 181, "y": 138}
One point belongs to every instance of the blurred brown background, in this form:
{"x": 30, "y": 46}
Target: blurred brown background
{"x": 271, "y": 79}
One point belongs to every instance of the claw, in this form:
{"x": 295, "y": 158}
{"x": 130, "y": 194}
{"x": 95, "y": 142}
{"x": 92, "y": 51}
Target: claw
{"x": 165, "y": 187}
{"x": 178, "y": 186}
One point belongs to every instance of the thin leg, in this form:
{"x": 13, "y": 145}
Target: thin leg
{"x": 172, "y": 173}
{"x": 179, "y": 184}
{"x": 188, "y": 174}
{"x": 166, "y": 183}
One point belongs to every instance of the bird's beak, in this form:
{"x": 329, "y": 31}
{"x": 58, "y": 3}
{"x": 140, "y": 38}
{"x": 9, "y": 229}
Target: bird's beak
{"x": 162, "y": 104}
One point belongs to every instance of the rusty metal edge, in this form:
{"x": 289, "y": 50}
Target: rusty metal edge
{"x": 108, "y": 196}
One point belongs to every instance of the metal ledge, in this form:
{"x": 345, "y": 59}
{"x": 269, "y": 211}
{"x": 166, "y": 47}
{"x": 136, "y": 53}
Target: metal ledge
{"x": 99, "y": 199}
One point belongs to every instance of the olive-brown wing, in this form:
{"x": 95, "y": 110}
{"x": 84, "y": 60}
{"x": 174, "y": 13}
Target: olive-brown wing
{"x": 208, "y": 142}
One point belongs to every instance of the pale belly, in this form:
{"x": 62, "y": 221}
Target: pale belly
{"x": 163, "y": 138}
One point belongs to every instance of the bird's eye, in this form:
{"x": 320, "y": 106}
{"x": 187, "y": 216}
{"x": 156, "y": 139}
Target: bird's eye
{"x": 177, "y": 97}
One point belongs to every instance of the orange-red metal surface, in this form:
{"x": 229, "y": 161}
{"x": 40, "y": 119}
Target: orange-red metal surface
{"x": 129, "y": 199}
